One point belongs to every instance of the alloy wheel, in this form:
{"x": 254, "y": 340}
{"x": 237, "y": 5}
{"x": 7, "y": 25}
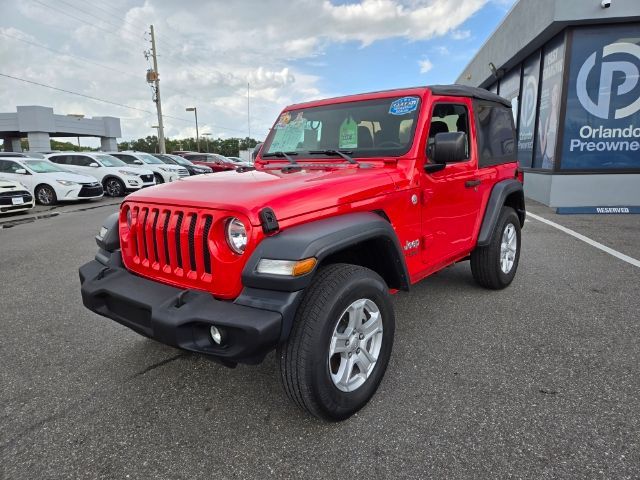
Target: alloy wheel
{"x": 508, "y": 247}
{"x": 355, "y": 345}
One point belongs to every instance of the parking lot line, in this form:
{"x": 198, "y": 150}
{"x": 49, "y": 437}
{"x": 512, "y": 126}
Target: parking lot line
{"x": 593, "y": 243}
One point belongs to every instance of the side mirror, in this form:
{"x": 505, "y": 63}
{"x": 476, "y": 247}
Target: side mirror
{"x": 446, "y": 147}
{"x": 21, "y": 171}
{"x": 94, "y": 165}
{"x": 138, "y": 162}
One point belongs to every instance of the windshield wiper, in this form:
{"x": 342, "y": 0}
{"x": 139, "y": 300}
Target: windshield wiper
{"x": 340, "y": 153}
{"x": 283, "y": 155}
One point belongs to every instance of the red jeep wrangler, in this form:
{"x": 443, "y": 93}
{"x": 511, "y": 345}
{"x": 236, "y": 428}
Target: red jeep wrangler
{"x": 351, "y": 199}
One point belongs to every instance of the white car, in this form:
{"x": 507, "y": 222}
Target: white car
{"x": 14, "y": 197}
{"x": 116, "y": 177}
{"x": 163, "y": 172}
{"x": 48, "y": 182}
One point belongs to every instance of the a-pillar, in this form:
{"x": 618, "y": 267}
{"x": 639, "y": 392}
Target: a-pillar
{"x": 39, "y": 141}
{"x": 108, "y": 144}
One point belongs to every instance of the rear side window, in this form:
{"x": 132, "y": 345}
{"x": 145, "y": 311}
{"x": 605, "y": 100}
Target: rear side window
{"x": 81, "y": 160}
{"x": 60, "y": 159}
{"x": 496, "y": 134}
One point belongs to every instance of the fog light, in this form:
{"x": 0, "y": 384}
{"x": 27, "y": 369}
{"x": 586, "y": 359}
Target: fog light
{"x": 216, "y": 335}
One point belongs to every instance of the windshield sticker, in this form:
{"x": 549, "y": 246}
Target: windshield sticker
{"x": 348, "y": 134}
{"x": 403, "y": 105}
{"x": 288, "y": 137}
{"x": 284, "y": 120}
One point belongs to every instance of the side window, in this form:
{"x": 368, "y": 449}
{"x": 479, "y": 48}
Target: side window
{"x": 80, "y": 160}
{"x": 59, "y": 159}
{"x": 496, "y": 134}
{"x": 125, "y": 158}
{"x": 7, "y": 166}
{"x": 449, "y": 117}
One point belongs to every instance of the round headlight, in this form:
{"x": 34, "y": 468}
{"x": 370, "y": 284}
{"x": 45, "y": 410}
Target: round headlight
{"x": 236, "y": 235}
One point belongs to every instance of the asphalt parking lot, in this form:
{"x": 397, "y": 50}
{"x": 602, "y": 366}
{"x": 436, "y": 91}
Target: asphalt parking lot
{"x": 541, "y": 380}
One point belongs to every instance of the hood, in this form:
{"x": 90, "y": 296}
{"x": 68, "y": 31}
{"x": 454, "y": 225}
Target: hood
{"x": 288, "y": 194}
{"x": 7, "y": 185}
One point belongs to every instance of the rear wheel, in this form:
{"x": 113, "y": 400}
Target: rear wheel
{"x": 114, "y": 187}
{"x": 46, "y": 195}
{"x": 340, "y": 344}
{"x": 494, "y": 265}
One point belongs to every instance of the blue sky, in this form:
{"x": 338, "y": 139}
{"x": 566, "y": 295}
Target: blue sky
{"x": 288, "y": 50}
{"x": 391, "y": 63}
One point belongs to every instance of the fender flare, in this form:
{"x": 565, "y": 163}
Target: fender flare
{"x": 497, "y": 200}
{"x": 320, "y": 239}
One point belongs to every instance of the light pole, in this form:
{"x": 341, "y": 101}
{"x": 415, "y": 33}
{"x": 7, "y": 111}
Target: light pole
{"x": 207, "y": 135}
{"x": 195, "y": 112}
{"x": 157, "y": 136}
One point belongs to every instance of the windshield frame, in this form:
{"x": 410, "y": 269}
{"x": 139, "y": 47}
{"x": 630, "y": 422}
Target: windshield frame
{"x": 353, "y": 152}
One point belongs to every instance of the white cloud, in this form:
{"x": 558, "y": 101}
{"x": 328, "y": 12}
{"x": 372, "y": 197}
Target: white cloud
{"x": 460, "y": 34}
{"x": 208, "y": 51}
{"x": 425, "y": 65}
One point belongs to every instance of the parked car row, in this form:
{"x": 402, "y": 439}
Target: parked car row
{"x": 52, "y": 177}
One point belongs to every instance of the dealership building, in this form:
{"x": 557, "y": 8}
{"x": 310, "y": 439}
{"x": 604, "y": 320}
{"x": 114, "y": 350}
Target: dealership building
{"x": 571, "y": 69}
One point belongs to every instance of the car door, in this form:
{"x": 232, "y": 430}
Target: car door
{"x": 451, "y": 200}
{"x": 9, "y": 169}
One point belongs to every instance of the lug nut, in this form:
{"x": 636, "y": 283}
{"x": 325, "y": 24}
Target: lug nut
{"x": 350, "y": 353}
{"x": 357, "y": 350}
{"x": 346, "y": 343}
{"x": 361, "y": 336}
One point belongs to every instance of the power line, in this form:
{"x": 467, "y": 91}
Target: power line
{"x": 97, "y": 99}
{"x": 83, "y": 59}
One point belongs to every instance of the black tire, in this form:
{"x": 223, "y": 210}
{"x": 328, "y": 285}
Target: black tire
{"x": 46, "y": 195}
{"x": 158, "y": 178}
{"x": 303, "y": 360}
{"x": 485, "y": 261}
{"x": 113, "y": 187}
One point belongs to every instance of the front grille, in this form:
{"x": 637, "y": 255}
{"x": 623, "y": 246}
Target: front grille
{"x": 146, "y": 178}
{"x": 183, "y": 172}
{"x": 171, "y": 240}
{"x": 91, "y": 190}
{"x": 6, "y": 198}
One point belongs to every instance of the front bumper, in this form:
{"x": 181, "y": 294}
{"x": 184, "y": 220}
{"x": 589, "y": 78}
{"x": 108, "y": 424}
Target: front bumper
{"x": 180, "y": 318}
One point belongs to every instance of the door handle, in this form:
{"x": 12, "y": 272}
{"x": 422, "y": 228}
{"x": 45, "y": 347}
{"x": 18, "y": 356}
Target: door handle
{"x": 471, "y": 183}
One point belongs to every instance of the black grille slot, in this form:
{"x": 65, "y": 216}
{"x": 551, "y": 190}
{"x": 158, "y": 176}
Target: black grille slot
{"x": 156, "y": 257}
{"x": 205, "y": 244}
{"x": 165, "y": 237}
{"x": 192, "y": 242}
{"x": 177, "y": 234}
{"x": 144, "y": 233}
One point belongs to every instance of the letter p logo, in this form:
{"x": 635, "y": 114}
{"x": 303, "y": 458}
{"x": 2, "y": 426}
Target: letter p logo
{"x": 632, "y": 76}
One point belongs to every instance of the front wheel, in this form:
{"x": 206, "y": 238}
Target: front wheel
{"x": 340, "y": 344}
{"x": 494, "y": 265}
{"x": 46, "y": 195}
{"x": 114, "y": 187}
{"x": 158, "y": 178}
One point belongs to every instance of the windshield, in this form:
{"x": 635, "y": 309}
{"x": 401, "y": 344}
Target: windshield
{"x": 179, "y": 160}
{"x": 42, "y": 166}
{"x": 146, "y": 158}
{"x": 367, "y": 128}
{"x": 110, "y": 161}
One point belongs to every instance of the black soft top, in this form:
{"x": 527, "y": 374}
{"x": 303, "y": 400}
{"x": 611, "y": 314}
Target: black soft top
{"x": 456, "y": 90}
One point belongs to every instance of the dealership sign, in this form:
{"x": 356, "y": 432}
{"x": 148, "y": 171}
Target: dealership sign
{"x": 602, "y": 122}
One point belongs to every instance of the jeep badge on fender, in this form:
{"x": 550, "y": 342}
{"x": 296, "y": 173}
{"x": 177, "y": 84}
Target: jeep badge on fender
{"x": 302, "y": 254}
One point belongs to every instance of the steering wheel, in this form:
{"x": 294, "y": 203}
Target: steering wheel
{"x": 389, "y": 143}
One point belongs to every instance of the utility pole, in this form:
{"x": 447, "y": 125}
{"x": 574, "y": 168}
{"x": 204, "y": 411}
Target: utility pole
{"x": 155, "y": 79}
{"x": 195, "y": 112}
